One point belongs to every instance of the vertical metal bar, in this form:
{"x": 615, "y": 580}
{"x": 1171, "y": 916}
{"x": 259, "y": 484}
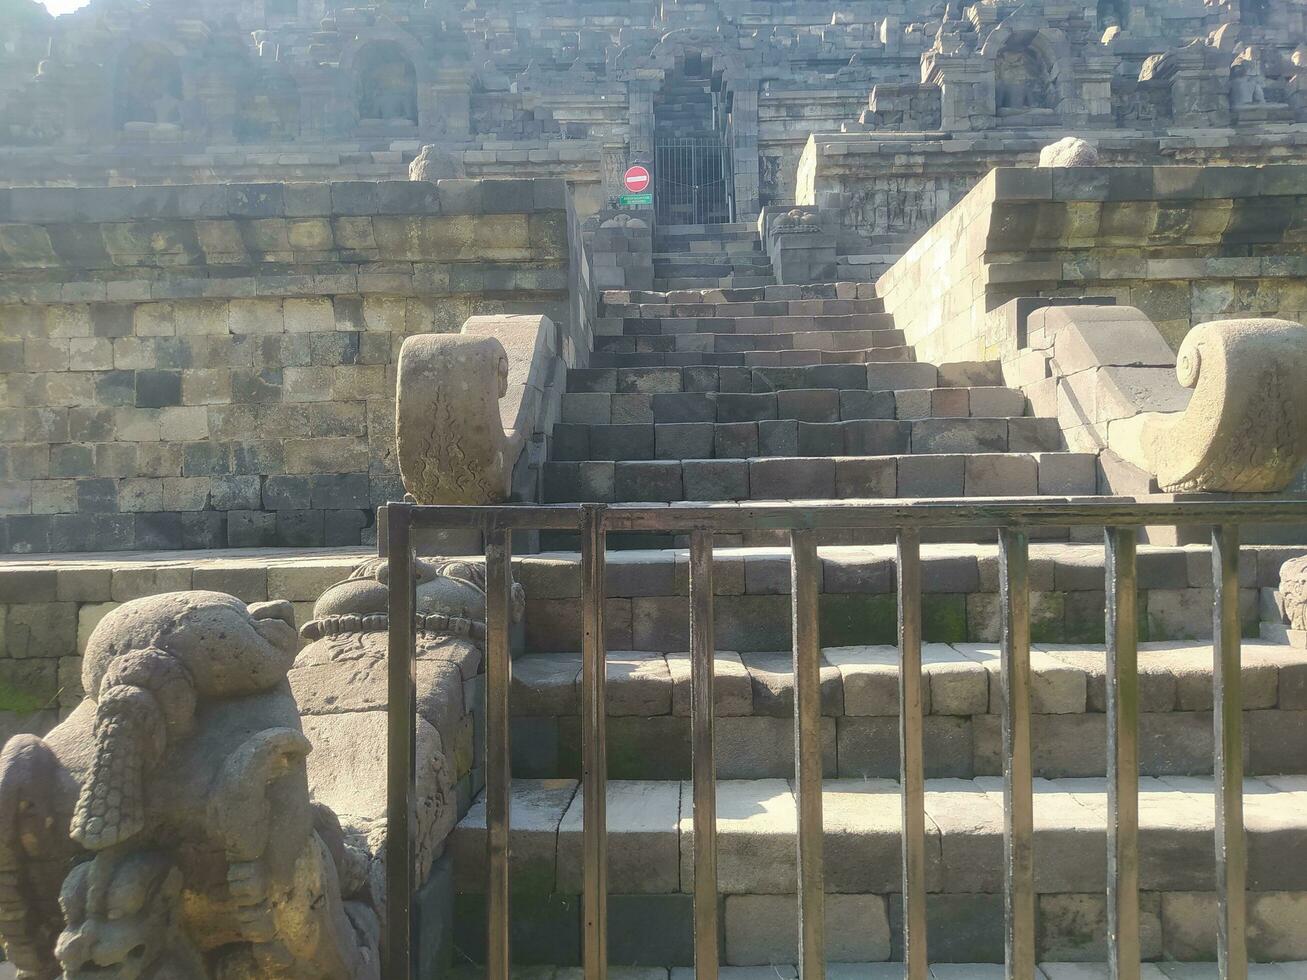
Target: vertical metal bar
{"x": 401, "y": 745}
{"x": 804, "y": 572}
{"x": 912, "y": 766}
{"x": 594, "y": 755}
{"x": 1227, "y": 718}
{"x": 1018, "y": 790}
{"x": 1123, "y": 946}
{"x": 499, "y": 666}
{"x": 702, "y": 709}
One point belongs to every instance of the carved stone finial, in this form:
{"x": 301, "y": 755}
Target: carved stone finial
{"x": 450, "y": 435}
{"x": 1245, "y": 429}
{"x": 1069, "y": 152}
{"x": 466, "y": 404}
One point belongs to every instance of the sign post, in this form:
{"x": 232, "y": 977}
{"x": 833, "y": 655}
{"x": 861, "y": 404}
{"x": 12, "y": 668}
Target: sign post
{"x": 637, "y": 180}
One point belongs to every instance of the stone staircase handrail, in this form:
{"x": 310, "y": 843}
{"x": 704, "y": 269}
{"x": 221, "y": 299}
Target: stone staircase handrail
{"x": 1115, "y": 386}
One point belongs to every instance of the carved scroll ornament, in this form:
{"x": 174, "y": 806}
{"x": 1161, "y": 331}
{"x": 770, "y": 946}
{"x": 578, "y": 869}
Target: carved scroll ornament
{"x": 1245, "y": 429}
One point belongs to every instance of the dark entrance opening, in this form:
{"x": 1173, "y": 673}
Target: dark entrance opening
{"x": 693, "y": 172}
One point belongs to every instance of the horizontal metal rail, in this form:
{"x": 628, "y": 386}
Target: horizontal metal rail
{"x": 841, "y": 514}
{"x": 1010, "y": 519}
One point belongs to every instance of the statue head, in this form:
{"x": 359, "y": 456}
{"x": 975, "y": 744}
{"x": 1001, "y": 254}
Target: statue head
{"x": 148, "y": 664}
{"x": 122, "y": 911}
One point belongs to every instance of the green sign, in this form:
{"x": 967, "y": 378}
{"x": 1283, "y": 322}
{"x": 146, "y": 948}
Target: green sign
{"x": 636, "y": 200}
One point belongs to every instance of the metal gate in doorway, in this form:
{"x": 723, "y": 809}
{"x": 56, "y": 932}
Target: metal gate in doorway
{"x": 693, "y": 181}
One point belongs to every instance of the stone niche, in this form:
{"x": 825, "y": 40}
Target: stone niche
{"x": 386, "y": 87}
{"x": 148, "y": 96}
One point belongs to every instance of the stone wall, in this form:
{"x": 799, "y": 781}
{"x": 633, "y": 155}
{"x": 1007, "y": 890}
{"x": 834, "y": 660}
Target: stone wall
{"x": 1183, "y": 244}
{"x": 212, "y": 366}
{"x": 892, "y": 187}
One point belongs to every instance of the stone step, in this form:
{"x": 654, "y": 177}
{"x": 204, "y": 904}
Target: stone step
{"x": 825, "y": 477}
{"x": 711, "y": 267}
{"x": 650, "y": 869}
{"x": 828, "y": 290}
{"x": 647, "y": 606}
{"x": 807, "y": 404}
{"x": 685, "y": 428}
{"x": 726, "y": 282}
{"x": 706, "y": 230}
{"x": 894, "y": 971}
{"x": 757, "y": 324}
{"x": 730, "y": 244}
{"x": 648, "y": 704}
{"x": 740, "y": 250}
{"x": 751, "y": 359}
{"x": 711, "y": 241}
{"x": 843, "y": 377}
{"x": 830, "y": 340}
{"x": 793, "y": 307}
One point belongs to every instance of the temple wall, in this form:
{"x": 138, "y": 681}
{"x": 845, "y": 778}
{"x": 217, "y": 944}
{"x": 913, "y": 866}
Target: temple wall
{"x": 221, "y": 372}
{"x": 1183, "y": 244}
{"x": 898, "y": 186}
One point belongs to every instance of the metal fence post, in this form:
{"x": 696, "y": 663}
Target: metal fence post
{"x": 703, "y": 759}
{"x": 594, "y": 755}
{"x": 401, "y": 744}
{"x": 1018, "y": 788}
{"x": 499, "y": 775}
{"x": 1122, "y": 755}
{"x": 805, "y": 568}
{"x": 912, "y": 766}
{"x": 1227, "y": 721}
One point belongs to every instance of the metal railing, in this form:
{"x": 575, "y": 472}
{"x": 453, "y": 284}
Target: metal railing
{"x": 693, "y": 182}
{"x": 1012, "y": 521}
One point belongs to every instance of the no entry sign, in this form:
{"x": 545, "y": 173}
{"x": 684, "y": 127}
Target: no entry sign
{"x": 637, "y": 179}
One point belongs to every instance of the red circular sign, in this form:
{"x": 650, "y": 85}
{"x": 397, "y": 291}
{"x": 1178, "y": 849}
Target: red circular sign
{"x": 637, "y": 179}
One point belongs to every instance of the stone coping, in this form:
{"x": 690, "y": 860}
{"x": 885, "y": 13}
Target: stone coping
{"x": 362, "y": 198}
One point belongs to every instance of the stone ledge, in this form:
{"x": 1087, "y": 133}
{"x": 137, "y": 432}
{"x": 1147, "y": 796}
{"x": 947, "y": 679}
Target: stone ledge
{"x": 273, "y": 200}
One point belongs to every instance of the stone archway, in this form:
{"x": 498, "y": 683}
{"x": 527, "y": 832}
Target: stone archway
{"x": 733, "y": 81}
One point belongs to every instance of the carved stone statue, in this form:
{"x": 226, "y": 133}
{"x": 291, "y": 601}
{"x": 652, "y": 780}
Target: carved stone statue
{"x": 1069, "y": 152}
{"x": 435, "y": 163}
{"x": 1245, "y": 428}
{"x": 1293, "y": 591}
{"x": 1247, "y": 87}
{"x": 165, "y": 828}
{"x": 1020, "y": 81}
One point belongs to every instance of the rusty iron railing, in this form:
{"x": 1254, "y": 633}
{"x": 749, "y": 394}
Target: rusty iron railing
{"x": 1012, "y": 520}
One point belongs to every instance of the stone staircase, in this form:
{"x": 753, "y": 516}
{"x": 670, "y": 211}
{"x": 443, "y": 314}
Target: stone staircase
{"x": 790, "y": 392}
{"x": 689, "y": 257}
{"x": 773, "y": 392}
